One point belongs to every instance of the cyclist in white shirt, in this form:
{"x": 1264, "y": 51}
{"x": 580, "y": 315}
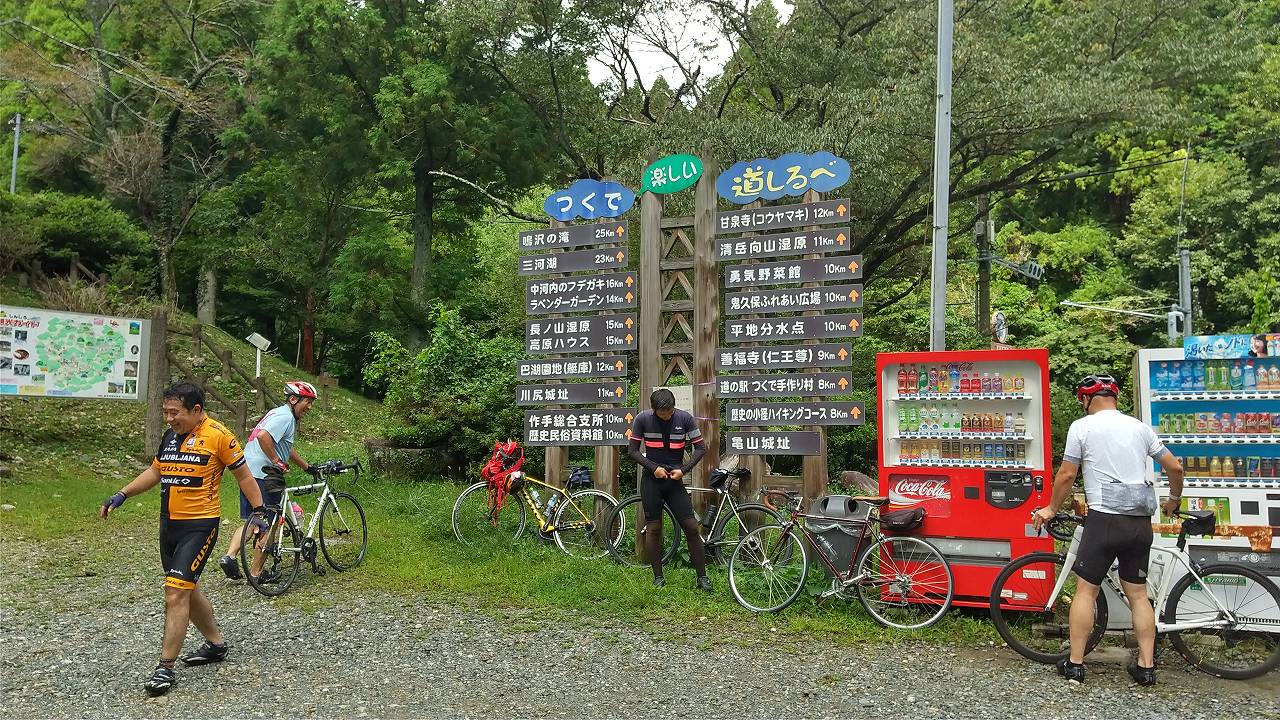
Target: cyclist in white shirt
{"x": 1114, "y": 449}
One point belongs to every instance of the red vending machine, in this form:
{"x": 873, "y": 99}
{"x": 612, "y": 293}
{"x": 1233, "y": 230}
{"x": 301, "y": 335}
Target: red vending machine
{"x": 965, "y": 435}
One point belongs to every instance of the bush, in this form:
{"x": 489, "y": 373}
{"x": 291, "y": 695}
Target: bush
{"x": 456, "y": 396}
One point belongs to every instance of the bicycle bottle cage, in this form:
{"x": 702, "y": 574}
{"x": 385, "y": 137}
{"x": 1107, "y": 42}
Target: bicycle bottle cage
{"x": 1201, "y": 522}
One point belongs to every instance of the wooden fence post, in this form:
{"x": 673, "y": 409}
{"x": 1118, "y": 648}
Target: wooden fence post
{"x": 242, "y": 418}
{"x": 74, "y": 273}
{"x": 157, "y": 379}
{"x": 197, "y": 334}
{"x": 706, "y": 317}
{"x": 224, "y": 356}
{"x": 814, "y": 472}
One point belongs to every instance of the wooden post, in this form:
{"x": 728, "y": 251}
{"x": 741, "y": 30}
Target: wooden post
{"x": 74, "y": 273}
{"x": 197, "y": 335}
{"x": 242, "y": 418}
{"x": 650, "y": 352}
{"x": 157, "y": 379}
{"x": 706, "y": 317}
{"x": 260, "y": 399}
{"x": 814, "y": 466}
{"x": 555, "y": 458}
{"x": 755, "y": 463}
{"x": 224, "y": 357}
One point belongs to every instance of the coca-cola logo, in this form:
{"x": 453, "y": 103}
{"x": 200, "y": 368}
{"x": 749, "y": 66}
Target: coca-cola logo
{"x": 921, "y": 489}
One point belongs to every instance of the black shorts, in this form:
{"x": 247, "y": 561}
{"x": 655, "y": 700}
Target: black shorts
{"x": 1108, "y": 538}
{"x": 185, "y": 545}
{"x": 655, "y": 492}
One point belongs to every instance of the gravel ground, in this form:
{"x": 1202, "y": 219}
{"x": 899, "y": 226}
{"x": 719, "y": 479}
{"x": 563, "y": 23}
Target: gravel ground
{"x": 78, "y": 637}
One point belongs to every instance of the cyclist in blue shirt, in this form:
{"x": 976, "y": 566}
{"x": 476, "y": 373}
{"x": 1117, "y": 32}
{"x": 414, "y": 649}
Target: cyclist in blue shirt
{"x": 267, "y": 453}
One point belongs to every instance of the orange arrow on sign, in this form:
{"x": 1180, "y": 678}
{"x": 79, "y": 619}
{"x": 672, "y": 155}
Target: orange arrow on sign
{"x": 618, "y": 365}
{"x": 843, "y": 383}
{"x": 629, "y": 338}
{"x": 853, "y": 265}
{"x": 630, "y": 322}
{"x": 843, "y": 353}
{"x": 630, "y": 297}
{"x": 856, "y": 412}
{"x": 622, "y": 230}
{"x": 621, "y": 256}
{"x": 627, "y": 434}
{"x": 840, "y": 239}
{"x": 618, "y": 391}
{"x": 630, "y": 280}
{"x": 840, "y": 209}
{"x": 853, "y": 296}
{"x": 629, "y": 418}
{"x": 853, "y": 323}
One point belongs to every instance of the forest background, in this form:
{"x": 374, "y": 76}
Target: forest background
{"x": 348, "y": 178}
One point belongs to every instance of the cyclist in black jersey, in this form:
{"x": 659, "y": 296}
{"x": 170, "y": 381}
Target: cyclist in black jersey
{"x": 665, "y": 433}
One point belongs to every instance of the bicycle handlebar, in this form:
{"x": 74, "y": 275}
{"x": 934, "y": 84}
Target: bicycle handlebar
{"x": 1056, "y": 524}
{"x": 336, "y": 466}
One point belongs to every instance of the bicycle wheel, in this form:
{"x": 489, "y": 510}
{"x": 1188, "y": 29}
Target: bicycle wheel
{"x": 281, "y": 556}
{"x": 474, "y": 523}
{"x": 1019, "y": 598}
{"x": 625, "y": 534}
{"x": 904, "y": 582}
{"x": 731, "y": 528}
{"x": 1239, "y": 650}
{"x": 582, "y": 527}
{"x": 343, "y": 533}
{"x": 767, "y": 569}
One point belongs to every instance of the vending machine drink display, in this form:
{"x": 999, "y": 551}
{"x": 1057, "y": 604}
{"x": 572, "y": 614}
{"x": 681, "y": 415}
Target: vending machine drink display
{"x": 966, "y": 436}
{"x": 1222, "y": 419}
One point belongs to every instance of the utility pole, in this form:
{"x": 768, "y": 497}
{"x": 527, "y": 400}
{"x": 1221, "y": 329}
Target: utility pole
{"x": 16, "y": 122}
{"x": 981, "y": 234}
{"x": 941, "y": 181}
{"x": 1184, "y": 255}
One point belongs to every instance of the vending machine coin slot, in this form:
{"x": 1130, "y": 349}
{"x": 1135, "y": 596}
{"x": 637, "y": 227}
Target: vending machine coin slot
{"x": 1007, "y": 490}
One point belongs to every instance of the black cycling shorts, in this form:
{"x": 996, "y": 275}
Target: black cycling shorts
{"x": 1108, "y": 538}
{"x": 185, "y": 545}
{"x": 654, "y": 492}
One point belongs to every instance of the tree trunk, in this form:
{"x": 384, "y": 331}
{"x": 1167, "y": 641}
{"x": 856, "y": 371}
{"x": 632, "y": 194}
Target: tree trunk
{"x": 168, "y": 275}
{"x": 207, "y": 297}
{"x": 423, "y": 205}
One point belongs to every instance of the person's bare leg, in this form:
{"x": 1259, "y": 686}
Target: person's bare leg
{"x": 177, "y": 616}
{"x": 1144, "y": 622}
{"x": 201, "y": 612}
{"x": 237, "y": 539}
{"x": 1082, "y": 617}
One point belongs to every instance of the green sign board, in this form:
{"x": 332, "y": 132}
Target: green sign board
{"x": 672, "y": 173}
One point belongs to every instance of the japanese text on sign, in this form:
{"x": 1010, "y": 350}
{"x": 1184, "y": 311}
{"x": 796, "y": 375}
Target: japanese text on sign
{"x": 844, "y": 267}
{"x": 577, "y": 294}
{"x": 589, "y": 334}
{"x": 671, "y": 174}
{"x": 783, "y": 385}
{"x": 799, "y": 328}
{"x": 573, "y": 427}
{"x": 605, "y": 393}
{"x": 798, "y": 242}
{"x": 602, "y": 233}
{"x": 589, "y": 199}
{"x": 826, "y": 212}
{"x": 809, "y": 413}
{"x": 792, "y": 175}
{"x": 565, "y": 262}
{"x": 774, "y": 443}
{"x": 772, "y": 357}
{"x": 609, "y": 366}
{"x": 830, "y": 297}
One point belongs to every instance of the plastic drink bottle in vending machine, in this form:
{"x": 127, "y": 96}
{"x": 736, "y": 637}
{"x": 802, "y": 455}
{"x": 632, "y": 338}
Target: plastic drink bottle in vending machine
{"x": 902, "y": 380}
{"x": 954, "y": 385}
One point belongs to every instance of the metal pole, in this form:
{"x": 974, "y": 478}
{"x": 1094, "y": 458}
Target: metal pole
{"x": 1184, "y": 290}
{"x": 981, "y": 229}
{"x": 941, "y": 182}
{"x": 17, "y": 135}
{"x": 257, "y": 364}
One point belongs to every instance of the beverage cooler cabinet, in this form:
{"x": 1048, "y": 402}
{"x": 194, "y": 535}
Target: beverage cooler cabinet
{"x": 966, "y": 436}
{"x": 1221, "y": 418}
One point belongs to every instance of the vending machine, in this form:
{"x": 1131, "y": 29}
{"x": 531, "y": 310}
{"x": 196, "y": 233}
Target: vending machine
{"x": 1221, "y": 418}
{"x": 966, "y": 436}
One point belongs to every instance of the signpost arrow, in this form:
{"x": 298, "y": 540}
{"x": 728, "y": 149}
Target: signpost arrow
{"x": 793, "y": 328}
{"x": 574, "y": 236}
{"x": 829, "y": 297}
{"x": 781, "y": 357}
{"x": 844, "y": 267}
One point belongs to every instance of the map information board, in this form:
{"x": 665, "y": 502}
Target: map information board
{"x": 63, "y": 354}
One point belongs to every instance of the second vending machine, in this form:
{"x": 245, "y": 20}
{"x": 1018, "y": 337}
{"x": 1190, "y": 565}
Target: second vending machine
{"x": 966, "y": 436}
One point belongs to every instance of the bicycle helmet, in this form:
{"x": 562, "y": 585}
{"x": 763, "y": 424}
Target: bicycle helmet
{"x": 300, "y": 388}
{"x": 1097, "y": 385}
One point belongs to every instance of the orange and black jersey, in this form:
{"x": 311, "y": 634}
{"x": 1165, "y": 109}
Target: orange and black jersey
{"x": 191, "y": 468}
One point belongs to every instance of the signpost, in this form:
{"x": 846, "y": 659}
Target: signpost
{"x": 783, "y": 357}
{"x": 600, "y": 333}
{"x": 604, "y": 258}
{"x": 569, "y": 368}
{"x": 613, "y": 291}
{"x": 603, "y": 393}
{"x": 574, "y": 236}
{"x": 589, "y": 199}
{"x": 806, "y": 413}
{"x": 796, "y": 242}
{"x": 671, "y": 174}
{"x": 770, "y": 442}
{"x": 793, "y": 328}
{"x": 827, "y": 297}
{"x": 783, "y": 385}
{"x": 823, "y": 212}
{"x": 589, "y": 426}
{"x": 828, "y": 269}
{"x": 793, "y": 174}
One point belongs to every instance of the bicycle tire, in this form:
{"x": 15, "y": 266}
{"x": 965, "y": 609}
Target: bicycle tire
{"x": 731, "y": 527}
{"x": 762, "y": 569}
{"x": 473, "y": 523}
{"x": 1261, "y": 598}
{"x": 338, "y": 531}
{"x": 1017, "y": 608}
{"x": 623, "y": 526}
{"x": 593, "y": 540}
{"x": 282, "y": 560}
{"x": 905, "y": 582}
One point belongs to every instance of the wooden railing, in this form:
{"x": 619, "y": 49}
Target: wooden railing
{"x": 228, "y": 369}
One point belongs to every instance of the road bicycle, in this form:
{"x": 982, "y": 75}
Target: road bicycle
{"x": 902, "y": 581}
{"x": 337, "y": 529}
{"x": 1223, "y": 618}
{"x": 572, "y": 517}
{"x": 723, "y": 525}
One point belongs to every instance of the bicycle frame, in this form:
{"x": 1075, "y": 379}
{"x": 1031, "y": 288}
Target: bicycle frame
{"x": 544, "y": 522}
{"x": 1112, "y": 581}
{"x": 846, "y": 577}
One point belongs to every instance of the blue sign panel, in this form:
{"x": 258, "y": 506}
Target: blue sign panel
{"x": 589, "y": 199}
{"x": 791, "y": 175}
